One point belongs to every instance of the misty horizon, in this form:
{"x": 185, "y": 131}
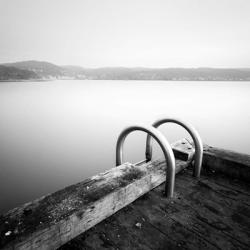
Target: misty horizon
{"x": 121, "y": 66}
{"x": 39, "y": 70}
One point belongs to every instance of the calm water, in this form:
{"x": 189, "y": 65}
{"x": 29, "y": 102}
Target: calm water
{"x": 53, "y": 134}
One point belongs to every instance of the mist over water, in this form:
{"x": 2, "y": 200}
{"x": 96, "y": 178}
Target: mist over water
{"x": 53, "y": 134}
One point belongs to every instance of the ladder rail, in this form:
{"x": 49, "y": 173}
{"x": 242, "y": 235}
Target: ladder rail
{"x": 194, "y": 134}
{"x": 165, "y": 146}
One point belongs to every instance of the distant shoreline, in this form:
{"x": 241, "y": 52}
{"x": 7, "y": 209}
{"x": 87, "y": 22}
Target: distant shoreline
{"x": 28, "y": 80}
{"x": 30, "y": 71}
{"x": 144, "y": 80}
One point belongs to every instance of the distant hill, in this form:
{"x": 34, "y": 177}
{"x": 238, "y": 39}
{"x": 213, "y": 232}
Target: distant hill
{"x": 45, "y": 71}
{"x": 12, "y": 73}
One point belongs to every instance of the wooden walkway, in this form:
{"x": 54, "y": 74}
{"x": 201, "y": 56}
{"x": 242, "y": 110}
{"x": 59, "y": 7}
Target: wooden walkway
{"x": 212, "y": 213}
{"x": 125, "y": 208}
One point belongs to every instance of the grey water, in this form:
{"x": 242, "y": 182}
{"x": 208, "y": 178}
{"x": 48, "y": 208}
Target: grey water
{"x": 57, "y": 133}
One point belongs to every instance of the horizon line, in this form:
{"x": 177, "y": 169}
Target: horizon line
{"x": 125, "y": 67}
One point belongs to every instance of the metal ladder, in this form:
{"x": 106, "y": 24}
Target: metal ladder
{"x": 165, "y": 146}
{"x": 194, "y": 134}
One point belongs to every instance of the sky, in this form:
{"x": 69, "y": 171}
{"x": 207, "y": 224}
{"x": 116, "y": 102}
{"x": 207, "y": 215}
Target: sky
{"x": 130, "y": 33}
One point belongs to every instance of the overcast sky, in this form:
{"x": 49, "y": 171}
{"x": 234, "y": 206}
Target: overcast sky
{"x": 149, "y": 33}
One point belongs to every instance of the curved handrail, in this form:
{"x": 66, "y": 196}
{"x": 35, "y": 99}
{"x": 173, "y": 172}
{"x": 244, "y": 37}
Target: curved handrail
{"x": 165, "y": 146}
{"x": 194, "y": 134}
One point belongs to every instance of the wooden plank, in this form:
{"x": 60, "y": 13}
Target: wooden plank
{"x": 227, "y": 191}
{"x": 234, "y": 184}
{"x": 126, "y": 230}
{"x": 53, "y": 220}
{"x": 234, "y": 165}
{"x": 154, "y": 222}
{"x": 154, "y": 211}
{"x": 182, "y": 216}
{"x": 183, "y": 150}
{"x": 210, "y": 205}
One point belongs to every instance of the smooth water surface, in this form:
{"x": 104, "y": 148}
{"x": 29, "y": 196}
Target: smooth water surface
{"x": 53, "y": 134}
